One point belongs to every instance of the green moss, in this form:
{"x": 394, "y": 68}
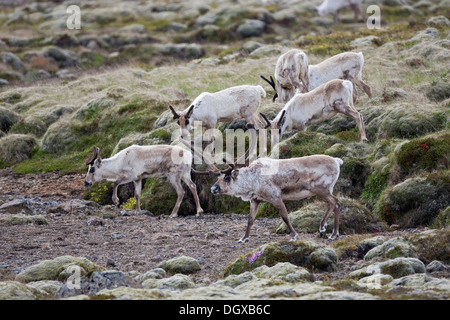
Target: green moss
{"x": 375, "y": 184}
{"x": 416, "y": 201}
{"x": 100, "y": 192}
{"x": 442, "y": 220}
{"x": 427, "y": 153}
{"x": 306, "y": 144}
{"x": 432, "y": 245}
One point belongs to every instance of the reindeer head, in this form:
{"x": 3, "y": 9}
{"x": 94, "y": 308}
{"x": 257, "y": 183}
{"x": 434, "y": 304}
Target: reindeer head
{"x": 183, "y": 118}
{"x": 224, "y": 182}
{"x": 277, "y": 123}
{"x": 94, "y": 163}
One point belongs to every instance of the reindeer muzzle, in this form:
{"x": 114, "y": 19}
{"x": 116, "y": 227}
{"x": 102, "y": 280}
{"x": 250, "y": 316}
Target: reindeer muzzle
{"x": 215, "y": 189}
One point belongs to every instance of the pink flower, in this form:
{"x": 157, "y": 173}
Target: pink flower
{"x": 254, "y": 257}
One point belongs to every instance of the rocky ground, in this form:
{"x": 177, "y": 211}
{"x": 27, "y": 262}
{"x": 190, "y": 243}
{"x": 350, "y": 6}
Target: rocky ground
{"x": 44, "y": 232}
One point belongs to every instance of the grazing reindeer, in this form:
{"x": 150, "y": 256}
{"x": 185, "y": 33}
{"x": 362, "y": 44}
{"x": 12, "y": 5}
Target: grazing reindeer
{"x": 316, "y": 106}
{"x": 295, "y": 179}
{"x": 333, "y": 7}
{"x": 138, "y": 162}
{"x": 231, "y": 104}
{"x": 292, "y": 72}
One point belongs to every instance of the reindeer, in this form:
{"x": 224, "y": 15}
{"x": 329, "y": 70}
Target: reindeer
{"x": 292, "y": 179}
{"x": 138, "y": 162}
{"x": 292, "y": 72}
{"x": 240, "y": 102}
{"x": 333, "y": 7}
{"x": 316, "y": 106}
{"x": 273, "y": 180}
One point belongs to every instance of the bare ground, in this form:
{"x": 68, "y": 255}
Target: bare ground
{"x": 134, "y": 242}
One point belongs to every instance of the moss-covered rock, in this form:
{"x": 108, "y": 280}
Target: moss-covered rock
{"x": 284, "y": 271}
{"x": 424, "y": 154}
{"x": 38, "y": 121}
{"x": 298, "y": 253}
{"x": 431, "y": 245}
{"x": 15, "y": 148}
{"x": 127, "y": 293}
{"x": 19, "y": 219}
{"x": 52, "y": 269}
{"x": 177, "y": 282}
{"x": 305, "y": 144}
{"x": 442, "y": 220}
{"x": 415, "y": 201}
{"x": 59, "y": 137}
{"x": 182, "y": 264}
{"x": 7, "y": 119}
{"x": 403, "y": 121}
{"x": 13, "y": 290}
{"x": 393, "y": 248}
{"x": 354, "y": 218}
{"x": 100, "y": 192}
{"x": 398, "y": 267}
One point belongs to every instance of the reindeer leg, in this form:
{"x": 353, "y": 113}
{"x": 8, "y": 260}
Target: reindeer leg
{"x": 285, "y": 216}
{"x": 137, "y": 194}
{"x": 193, "y": 189}
{"x": 115, "y": 198}
{"x": 364, "y": 86}
{"x": 254, "y": 205}
{"x": 176, "y": 182}
{"x": 349, "y": 109}
{"x": 333, "y": 206}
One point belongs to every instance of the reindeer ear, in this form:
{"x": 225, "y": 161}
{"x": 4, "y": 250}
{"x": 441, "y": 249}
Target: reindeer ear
{"x": 98, "y": 162}
{"x": 282, "y": 119}
{"x": 189, "y": 113}
{"x": 175, "y": 114}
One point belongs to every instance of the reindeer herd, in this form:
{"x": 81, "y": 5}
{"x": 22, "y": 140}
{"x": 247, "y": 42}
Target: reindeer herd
{"x": 311, "y": 94}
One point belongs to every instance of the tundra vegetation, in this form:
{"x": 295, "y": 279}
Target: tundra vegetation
{"x": 110, "y": 83}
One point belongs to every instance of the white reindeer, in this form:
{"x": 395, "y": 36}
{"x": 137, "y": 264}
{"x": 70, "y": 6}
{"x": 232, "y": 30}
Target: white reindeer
{"x": 240, "y": 102}
{"x": 333, "y": 7}
{"x": 293, "y": 72}
{"x": 324, "y": 102}
{"x": 138, "y": 162}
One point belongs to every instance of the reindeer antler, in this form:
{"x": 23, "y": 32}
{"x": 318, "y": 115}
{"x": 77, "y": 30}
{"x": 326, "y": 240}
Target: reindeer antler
{"x": 272, "y": 84}
{"x": 90, "y": 161}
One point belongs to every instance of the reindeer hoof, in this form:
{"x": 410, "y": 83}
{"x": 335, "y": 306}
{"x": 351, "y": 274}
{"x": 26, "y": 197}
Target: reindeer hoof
{"x": 243, "y": 240}
{"x": 333, "y": 237}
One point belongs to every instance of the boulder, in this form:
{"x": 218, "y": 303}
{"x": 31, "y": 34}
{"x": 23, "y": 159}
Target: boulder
{"x": 354, "y": 218}
{"x": 398, "y": 267}
{"x": 393, "y": 248}
{"x": 48, "y": 287}
{"x": 251, "y": 28}
{"x": 126, "y": 293}
{"x": 177, "y": 282}
{"x": 16, "y": 206}
{"x": 287, "y": 271}
{"x": 52, "y": 269}
{"x": 415, "y": 201}
{"x": 15, "y": 148}
{"x": 182, "y": 264}
{"x": 59, "y": 136}
{"x": 18, "y": 219}
{"x": 13, "y": 290}
{"x": 299, "y": 253}
{"x": 12, "y": 60}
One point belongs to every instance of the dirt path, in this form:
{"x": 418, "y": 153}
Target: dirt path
{"x": 104, "y": 236}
